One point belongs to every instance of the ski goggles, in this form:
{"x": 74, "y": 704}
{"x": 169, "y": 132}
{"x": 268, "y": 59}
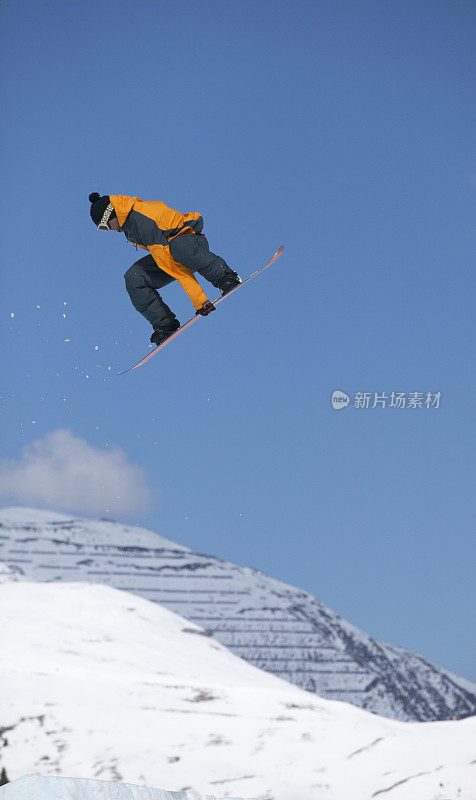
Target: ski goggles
{"x": 104, "y": 224}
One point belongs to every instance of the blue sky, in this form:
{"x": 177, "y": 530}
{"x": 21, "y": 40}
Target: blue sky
{"x": 345, "y": 131}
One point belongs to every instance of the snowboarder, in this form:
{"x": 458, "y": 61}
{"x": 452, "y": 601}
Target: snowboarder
{"x": 177, "y": 248}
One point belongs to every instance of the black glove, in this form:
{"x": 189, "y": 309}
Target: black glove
{"x": 207, "y": 308}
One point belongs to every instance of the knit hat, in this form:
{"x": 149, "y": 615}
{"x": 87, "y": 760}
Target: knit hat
{"x": 98, "y": 207}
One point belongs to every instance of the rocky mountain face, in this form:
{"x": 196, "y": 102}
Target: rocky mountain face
{"x": 276, "y": 627}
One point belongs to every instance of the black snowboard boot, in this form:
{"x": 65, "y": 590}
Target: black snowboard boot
{"x": 230, "y": 281}
{"x": 163, "y": 331}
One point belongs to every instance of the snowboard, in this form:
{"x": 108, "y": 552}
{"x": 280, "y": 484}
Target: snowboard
{"x": 199, "y": 316}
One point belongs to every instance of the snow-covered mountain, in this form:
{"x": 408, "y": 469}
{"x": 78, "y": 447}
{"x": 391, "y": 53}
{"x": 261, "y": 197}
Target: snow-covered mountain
{"x": 98, "y": 683}
{"x": 276, "y": 627}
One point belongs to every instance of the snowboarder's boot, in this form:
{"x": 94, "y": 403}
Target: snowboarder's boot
{"x": 230, "y": 281}
{"x": 163, "y": 331}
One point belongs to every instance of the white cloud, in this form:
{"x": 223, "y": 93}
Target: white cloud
{"x": 64, "y": 472}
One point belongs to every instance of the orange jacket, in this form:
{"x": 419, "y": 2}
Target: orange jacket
{"x": 152, "y": 225}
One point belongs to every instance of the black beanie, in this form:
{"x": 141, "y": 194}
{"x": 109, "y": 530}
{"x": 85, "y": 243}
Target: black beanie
{"x": 98, "y": 206}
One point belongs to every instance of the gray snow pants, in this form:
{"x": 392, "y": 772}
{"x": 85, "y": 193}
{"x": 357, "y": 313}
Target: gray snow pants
{"x": 144, "y": 277}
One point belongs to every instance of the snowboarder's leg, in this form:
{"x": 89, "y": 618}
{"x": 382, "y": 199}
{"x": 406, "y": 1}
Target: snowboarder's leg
{"x": 142, "y": 281}
{"x": 192, "y": 251}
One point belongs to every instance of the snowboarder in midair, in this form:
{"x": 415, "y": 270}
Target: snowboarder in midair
{"x": 177, "y": 248}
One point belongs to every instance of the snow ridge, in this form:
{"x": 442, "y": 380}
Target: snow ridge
{"x": 35, "y": 787}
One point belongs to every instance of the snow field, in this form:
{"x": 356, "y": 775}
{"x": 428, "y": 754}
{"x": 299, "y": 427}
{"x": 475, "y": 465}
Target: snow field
{"x": 99, "y": 683}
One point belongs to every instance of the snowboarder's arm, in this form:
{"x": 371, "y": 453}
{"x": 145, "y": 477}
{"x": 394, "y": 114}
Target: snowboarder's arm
{"x": 184, "y": 276}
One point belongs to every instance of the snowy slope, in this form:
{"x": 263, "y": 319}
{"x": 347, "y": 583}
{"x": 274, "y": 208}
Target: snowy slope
{"x": 272, "y": 625}
{"x": 98, "y": 683}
